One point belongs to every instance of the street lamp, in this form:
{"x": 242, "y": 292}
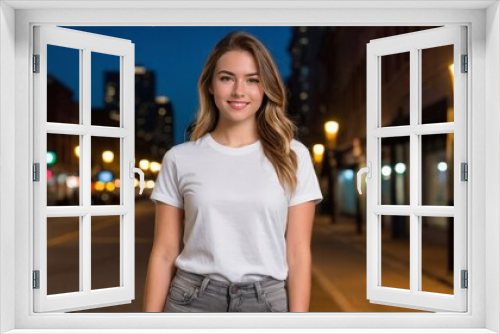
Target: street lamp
{"x": 108, "y": 156}
{"x": 318, "y": 151}
{"x": 154, "y": 166}
{"x": 331, "y": 130}
{"x": 144, "y": 164}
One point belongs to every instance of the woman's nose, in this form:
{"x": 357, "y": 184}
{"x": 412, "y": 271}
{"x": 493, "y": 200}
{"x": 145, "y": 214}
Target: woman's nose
{"x": 238, "y": 89}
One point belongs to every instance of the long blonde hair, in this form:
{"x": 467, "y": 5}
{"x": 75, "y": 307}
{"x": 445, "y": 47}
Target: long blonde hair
{"x": 274, "y": 128}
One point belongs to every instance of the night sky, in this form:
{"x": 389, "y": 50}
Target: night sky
{"x": 175, "y": 54}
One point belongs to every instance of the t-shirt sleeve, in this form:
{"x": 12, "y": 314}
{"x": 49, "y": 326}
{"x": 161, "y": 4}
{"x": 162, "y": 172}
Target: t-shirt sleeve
{"x": 307, "y": 183}
{"x": 166, "y": 189}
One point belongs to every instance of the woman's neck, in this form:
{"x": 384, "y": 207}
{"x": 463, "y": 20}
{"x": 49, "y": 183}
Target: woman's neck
{"x": 235, "y": 136}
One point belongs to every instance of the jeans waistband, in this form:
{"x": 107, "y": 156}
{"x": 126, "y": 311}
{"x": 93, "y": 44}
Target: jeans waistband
{"x": 231, "y": 287}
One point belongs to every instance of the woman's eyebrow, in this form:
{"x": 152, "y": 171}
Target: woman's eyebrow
{"x": 231, "y": 73}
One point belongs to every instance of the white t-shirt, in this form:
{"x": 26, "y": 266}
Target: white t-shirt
{"x": 235, "y": 208}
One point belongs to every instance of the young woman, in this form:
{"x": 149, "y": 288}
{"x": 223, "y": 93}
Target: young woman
{"x": 240, "y": 195}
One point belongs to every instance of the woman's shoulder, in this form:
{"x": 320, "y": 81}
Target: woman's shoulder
{"x": 298, "y": 147}
{"x": 187, "y": 147}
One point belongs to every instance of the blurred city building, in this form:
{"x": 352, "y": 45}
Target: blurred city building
{"x": 154, "y": 136}
{"x": 163, "y": 131}
{"x": 153, "y": 114}
{"x": 328, "y": 83}
{"x": 62, "y": 165}
{"x": 308, "y": 82}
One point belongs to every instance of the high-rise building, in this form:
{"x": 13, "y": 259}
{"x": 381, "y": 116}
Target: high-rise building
{"x": 163, "y": 133}
{"x": 307, "y": 82}
{"x": 153, "y": 115}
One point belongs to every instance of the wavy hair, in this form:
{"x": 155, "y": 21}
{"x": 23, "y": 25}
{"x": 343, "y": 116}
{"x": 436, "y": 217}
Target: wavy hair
{"x": 274, "y": 128}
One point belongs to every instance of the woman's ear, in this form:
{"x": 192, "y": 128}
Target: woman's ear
{"x": 210, "y": 90}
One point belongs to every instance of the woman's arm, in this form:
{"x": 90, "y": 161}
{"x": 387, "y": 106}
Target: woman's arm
{"x": 169, "y": 228}
{"x": 298, "y": 252}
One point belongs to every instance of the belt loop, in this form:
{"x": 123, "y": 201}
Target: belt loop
{"x": 204, "y": 284}
{"x": 258, "y": 289}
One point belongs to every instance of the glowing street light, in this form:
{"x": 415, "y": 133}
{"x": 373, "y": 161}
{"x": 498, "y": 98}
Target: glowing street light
{"x": 110, "y": 186}
{"x": 99, "y": 186}
{"x": 144, "y": 164}
{"x": 154, "y": 166}
{"x": 108, "y": 156}
{"x": 442, "y": 166}
{"x": 400, "y": 168}
{"x": 51, "y": 157}
{"x": 386, "y": 171}
{"x": 331, "y": 130}
{"x": 318, "y": 151}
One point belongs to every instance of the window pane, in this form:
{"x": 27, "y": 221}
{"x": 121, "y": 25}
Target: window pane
{"x": 437, "y": 84}
{"x": 105, "y": 171}
{"x": 395, "y": 233}
{"x": 395, "y": 98}
{"x": 63, "y": 85}
{"x": 395, "y": 171}
{"x": 63, "y": 255}
{"x": 105, "y": 76}
{"x": 63, "y": 170}
{"x": 437, "y": 169}
{"x": 437, "y": 254}
{"x": 105, "y": 252}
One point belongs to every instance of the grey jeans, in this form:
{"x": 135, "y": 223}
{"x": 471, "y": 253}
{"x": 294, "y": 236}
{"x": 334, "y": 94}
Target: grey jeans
{"x": 197, "y": 293}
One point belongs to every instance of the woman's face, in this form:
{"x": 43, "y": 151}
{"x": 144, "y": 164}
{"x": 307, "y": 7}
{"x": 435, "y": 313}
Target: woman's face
{"x": 236, "y": 87}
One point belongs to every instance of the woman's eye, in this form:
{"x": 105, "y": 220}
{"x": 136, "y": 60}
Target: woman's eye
{"x": 224, "y": 79}
{"x": 254, "y": 80}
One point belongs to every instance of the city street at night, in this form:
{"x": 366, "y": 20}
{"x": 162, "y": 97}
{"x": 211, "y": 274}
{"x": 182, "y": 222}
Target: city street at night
{"x": 328, "y": 105}
{"x": 338, "y": 273}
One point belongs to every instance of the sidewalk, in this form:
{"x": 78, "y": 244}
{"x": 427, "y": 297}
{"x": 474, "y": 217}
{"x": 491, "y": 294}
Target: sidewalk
{"x": 339, "y": 264}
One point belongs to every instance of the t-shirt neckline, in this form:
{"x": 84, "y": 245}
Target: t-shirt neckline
{"x": 232, "y": 150}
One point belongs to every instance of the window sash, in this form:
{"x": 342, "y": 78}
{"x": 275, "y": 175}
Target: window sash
{"x": 413, "y": 43}
{"x": 86, "y": 43}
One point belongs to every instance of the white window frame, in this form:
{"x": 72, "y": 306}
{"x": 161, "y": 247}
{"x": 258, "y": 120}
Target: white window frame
{"x": 123, "y": 51}
{"x": 483, "y": 21}
{"x": 414, "y": 44}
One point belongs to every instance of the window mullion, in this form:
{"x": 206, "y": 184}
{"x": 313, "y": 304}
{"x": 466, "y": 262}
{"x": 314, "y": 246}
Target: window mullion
{"x": 415, "y": 244}
{"x": 373, "y": 155}
{"x": 123, "y": 175}
{"x": 85, "y": 181}
{"x": 127, "y": 156}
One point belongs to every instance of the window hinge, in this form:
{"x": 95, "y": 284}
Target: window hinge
{"x": 465, "y": 279}
{"x": 465, "y": 64}
{"x": 36, "y": 172}
{"x": 464, "y": 171}
{"x": 36, "y": 279}
{"x": 36, "y": 63}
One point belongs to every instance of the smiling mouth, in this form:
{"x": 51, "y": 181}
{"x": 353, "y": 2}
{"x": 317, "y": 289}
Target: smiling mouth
{"x": 238, "y": 105}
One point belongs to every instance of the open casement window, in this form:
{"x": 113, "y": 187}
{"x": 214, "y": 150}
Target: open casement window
{"x": 58, "y": 131}
{"x": 402, "y": 133}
